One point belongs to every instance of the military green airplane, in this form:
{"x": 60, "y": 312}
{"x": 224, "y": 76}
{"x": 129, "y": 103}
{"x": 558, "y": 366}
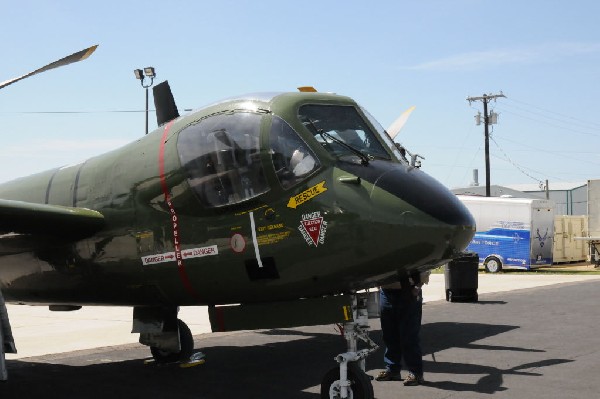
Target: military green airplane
{"x": 273, "y": 209}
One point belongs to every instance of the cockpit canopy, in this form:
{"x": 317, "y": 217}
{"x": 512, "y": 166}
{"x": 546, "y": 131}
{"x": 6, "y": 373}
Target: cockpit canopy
{"x": 221, "y": 153}
{"x": 221, "y": 156}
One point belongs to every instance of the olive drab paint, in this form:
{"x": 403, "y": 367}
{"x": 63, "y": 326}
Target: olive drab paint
{"x": 217, "y": 218}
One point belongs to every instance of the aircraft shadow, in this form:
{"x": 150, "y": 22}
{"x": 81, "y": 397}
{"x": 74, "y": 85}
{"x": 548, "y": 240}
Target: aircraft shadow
{"x": 286, "y": 363}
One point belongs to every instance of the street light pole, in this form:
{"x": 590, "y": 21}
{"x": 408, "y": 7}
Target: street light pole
{"x": 146, "y": 109}
{"x": 142, "y": 75}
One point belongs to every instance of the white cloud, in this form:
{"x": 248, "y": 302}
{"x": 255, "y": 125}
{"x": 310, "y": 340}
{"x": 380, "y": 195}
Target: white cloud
{"x": 543, "y": 53}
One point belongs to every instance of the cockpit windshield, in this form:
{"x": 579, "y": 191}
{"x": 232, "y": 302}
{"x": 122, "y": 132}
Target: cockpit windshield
{"x": 398, "y": 150}
{"x": 342, "y": 131}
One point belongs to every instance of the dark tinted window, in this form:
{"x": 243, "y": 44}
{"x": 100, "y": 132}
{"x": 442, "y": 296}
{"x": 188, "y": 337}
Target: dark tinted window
{"x": 221, "y": 157}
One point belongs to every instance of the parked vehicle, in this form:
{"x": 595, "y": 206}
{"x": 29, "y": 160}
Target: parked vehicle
{"x": 511, "y": 232}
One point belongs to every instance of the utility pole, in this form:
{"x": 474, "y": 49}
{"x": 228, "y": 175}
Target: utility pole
{"x": 485, "y": 99}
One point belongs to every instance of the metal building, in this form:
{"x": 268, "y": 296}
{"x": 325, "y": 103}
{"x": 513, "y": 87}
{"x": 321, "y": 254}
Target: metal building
{"x": 570, "y": 198}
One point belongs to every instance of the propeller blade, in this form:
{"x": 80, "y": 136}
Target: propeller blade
{"x": 398, "y": 124}
{"x": 75, "y": 57}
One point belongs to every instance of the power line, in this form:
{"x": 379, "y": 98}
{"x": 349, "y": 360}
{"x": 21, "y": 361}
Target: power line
{"x": 75, "y": 112}
{"x": 519, "y": 168}
{"x": 581, "y": 121}
{"x": 545, "y": 122}
{"x": 558, "y": 153}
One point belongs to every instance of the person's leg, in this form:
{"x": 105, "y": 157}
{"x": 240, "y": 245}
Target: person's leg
{"x": 411, "y": 349}
{"x": 390, "y": 330}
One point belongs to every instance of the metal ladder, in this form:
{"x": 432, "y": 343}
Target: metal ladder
{"x": 7, "y": 342}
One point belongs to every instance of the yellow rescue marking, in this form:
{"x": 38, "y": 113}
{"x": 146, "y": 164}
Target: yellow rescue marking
{"x": 307, "y": 195}
{"x": 346, "y": 313}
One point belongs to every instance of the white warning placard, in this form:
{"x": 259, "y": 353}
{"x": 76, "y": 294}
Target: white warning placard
{"x": 185, "y": 254}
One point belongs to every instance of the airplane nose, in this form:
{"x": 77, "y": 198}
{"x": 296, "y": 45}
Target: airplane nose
{"x": 425, "y": 206}
{"x": 425, "y": 193}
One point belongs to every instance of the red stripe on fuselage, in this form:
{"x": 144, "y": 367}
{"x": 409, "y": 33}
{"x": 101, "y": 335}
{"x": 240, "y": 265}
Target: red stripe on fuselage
{"x": 173, "y": 215}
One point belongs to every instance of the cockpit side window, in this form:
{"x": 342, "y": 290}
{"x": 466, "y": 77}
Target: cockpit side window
{"x": 221, "y": 157}
{"x": 292, "y": 159}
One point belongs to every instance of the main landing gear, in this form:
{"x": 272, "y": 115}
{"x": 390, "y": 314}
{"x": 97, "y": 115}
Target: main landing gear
{"x": 349, "y": 380}
{"x": 183, "y": 353}
{"x": 169, "y": 338}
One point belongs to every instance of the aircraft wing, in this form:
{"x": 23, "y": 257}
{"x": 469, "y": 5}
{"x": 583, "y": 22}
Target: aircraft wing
{"x": 19, "y": 218}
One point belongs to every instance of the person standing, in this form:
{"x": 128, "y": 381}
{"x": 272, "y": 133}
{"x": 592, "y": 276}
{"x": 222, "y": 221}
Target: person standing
{"x": 401, "y": 307}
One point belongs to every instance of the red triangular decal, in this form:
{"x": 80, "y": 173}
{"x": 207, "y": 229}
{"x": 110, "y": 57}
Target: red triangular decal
{"x": 313, "y": 228}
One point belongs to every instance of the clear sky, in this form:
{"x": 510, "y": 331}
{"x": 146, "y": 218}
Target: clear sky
{"x": 544, "y": 55}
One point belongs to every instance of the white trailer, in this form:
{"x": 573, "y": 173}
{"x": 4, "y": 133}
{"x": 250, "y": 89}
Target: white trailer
{"x": 511, "y": 232}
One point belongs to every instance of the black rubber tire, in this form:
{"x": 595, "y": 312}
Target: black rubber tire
{"x": 360, "y": 383}
{"x": 493, "y": 265}
{"x": 187, "y": 347}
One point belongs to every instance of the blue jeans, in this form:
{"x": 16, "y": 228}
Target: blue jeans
{"x": 401, "y": 324}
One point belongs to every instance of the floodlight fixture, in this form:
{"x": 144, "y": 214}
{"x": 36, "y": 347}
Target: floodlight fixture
{"x": 139, "y": 74}
{"x": 149, "y": 71}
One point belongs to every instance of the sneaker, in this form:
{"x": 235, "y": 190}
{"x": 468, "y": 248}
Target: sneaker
{"x": 413, "y": 379}
{"x": 387, "y": 375}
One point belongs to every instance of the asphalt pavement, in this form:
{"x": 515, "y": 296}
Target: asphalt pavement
{"x": 535, "y": 342}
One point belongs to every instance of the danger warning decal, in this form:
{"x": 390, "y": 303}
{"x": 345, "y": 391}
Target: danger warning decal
{"x": 185, "y": 254}
{"x": 313, "y": 228}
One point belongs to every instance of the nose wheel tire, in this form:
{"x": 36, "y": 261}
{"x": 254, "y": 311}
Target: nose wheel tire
{"x": 493, "y": 265}
{"x": 360, "y": 384}
{"x": 186, "y": 341}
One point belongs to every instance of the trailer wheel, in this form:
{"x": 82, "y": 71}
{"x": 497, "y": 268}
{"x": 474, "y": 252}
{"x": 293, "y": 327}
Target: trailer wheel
{"x": 493, "y": 265}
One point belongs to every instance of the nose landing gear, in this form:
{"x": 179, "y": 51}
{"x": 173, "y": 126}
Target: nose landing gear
{"x": 349, "y": 380}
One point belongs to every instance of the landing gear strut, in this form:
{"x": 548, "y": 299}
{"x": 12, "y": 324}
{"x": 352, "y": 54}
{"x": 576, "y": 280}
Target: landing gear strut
{"x": 349, "y": 380}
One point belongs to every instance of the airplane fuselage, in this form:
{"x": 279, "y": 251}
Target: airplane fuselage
{"x": 247, "y": 200}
